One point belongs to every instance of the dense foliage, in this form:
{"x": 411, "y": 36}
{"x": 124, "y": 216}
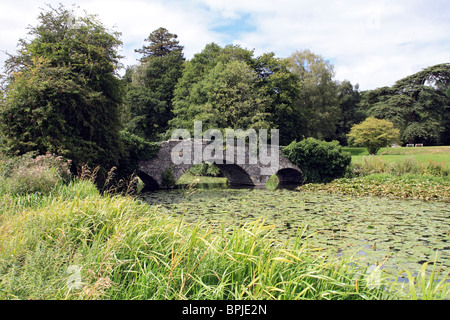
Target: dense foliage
{"x": 374, "y": 134}
{"x": 317, "y": 102}
{"x": 135, "y": 149}
{"x": 230, "y": 88}
{"x": 62, "y": 92}
{"x": 419, "y": 105}
{"x": 150, "y": 86}
{"x": 319, "y": 161}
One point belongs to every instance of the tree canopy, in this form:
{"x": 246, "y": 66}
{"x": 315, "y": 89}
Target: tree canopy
{"x": 418, "y": 105}
{"x": 317, "y": 102}
{"x": 230, "y": 87}
{"x": 150, "y": 89}
{"x": 374, "y": 134}
{"x": 162, "y": 42}
{"x": 62, "y": 92}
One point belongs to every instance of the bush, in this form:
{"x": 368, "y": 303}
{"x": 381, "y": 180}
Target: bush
{"x": 320, "y": 161}
{"x": 205, "y": 170}
{"x": 135, "y": 149}
{"x": 25, "y": 174}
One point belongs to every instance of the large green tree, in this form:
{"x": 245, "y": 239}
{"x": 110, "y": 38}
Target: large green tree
{"x": 351, "y": 113}
{"x": 62, "y": 93}
{"x": 226, "y": 98}
{"x": 242, "y": 90}
{"x": 151, "y": 84}
{"x": 317, "y": 102}
{"x": 417, "y": 105}
{"x": 279, "y": 86}
{"x": 161, "y": 43}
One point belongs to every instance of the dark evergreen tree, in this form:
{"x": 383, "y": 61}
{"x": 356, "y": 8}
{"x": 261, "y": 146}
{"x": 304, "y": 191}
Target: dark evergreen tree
{"x": 62, "y": 93}
{"x": 417, "y": 105}
{"x": 151, "y": 84}
{"x": 351, "y": 113}
{"x": 162, "y": 42}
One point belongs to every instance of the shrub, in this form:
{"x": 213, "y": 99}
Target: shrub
{"x": 167, "y": 177}
{"x": 320, "y": 161}
{"x": 26, "y": 174}
{"x": 135, "y": 149}
{"x": 205, "y": 170}
{"x": 373, "y": 134}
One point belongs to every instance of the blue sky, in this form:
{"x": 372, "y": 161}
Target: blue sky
{"x": 232, "y": 29}
{"x": 372, "y": 43}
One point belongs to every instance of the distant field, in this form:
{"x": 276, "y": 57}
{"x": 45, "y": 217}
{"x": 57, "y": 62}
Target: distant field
{"x": 425, "y": 154}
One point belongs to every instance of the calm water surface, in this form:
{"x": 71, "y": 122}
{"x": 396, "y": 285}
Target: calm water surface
{"x": 398, "y": 234}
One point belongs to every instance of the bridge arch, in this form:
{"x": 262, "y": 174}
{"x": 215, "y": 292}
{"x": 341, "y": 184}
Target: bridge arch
{"x": 289, "y": 177}
{"x": 235, "y": 174}
{"x": 149, "y": 182}
{"x": 249, "y": 173}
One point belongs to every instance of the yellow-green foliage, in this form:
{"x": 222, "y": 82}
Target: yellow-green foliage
{"x": 374, "y": 134}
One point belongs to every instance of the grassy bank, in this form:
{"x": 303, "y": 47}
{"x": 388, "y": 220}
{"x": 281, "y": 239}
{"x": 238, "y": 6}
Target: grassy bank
{"x": 62, "y": 239}
{"x": 439, "y": 154}
{"x": 77, "y": 244}
{"x": 402, "y": 173}
{"x": 408, "y": 186}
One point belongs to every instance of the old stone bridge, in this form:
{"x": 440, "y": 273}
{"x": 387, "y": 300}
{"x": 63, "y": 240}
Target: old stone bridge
{"x": 241, "y": 167}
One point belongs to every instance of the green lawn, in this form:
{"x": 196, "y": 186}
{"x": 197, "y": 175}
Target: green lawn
{"x": 189, "y": 178}
{"x": 425, "y": 154}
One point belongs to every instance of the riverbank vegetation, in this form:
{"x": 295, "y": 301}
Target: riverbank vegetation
{"x": 69, "y": 229}
{"x": 69, "y": 241}
{"x": 62, "y": 92}
{"x": 403, "y": 173}
{"x": 77, "y": 244}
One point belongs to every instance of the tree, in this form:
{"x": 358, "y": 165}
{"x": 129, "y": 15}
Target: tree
{"x": 351, "y": 113}
{"x": 260, "y": 91}
{"x": 417, "y": 105}
{"x": 374, "y": 134}
{"x": 62, "y": 94}
{"x": 279, "y": 87}
{"x": 162, "y": 42}
{"x": 317, "y": 101}
{"x": 150, "y": 86}
{"x": 226, "y": 98}
{"x": 185, "y": 107}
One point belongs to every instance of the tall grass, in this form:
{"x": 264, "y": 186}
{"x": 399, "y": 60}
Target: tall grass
{"x": 125, "y": 249}
{"x": 32, "y": 174}
{"x": 409, "y": 165}
{"x": 73, "y": 242}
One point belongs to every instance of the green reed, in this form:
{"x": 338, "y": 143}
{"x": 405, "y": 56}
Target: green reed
{"x": 75, "y": 243}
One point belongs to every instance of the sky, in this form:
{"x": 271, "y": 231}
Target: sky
{"x": 370, "y": 43}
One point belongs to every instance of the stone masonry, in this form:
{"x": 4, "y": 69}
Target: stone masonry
{"x": 151, "y": 171}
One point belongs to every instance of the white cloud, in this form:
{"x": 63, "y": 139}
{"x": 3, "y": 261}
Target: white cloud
{"x": 373, "y": 43}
